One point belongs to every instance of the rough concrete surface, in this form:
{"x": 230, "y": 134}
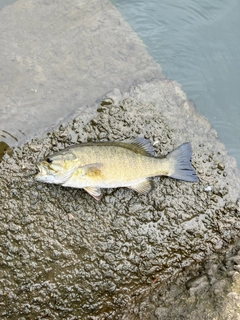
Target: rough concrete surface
{"x": 65, "y": 255}
{"x": 60, "y": 56}
{"x": 213, "y": 294}
{"x": 170, "y": 254}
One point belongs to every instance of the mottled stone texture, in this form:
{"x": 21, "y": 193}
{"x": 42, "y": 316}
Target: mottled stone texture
{"x": 214, "y": 294}
{"x": 63, "y": 255}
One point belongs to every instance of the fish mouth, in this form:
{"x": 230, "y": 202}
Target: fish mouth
{"x": 41, "y": 171}
{"x": 38, "y": 169}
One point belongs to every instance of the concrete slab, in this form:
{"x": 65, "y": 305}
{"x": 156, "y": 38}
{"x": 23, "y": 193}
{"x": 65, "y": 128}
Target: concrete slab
{"x": 60, "y": 56}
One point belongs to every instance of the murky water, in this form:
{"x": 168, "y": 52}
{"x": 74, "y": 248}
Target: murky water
{"x": 197, "y": 43}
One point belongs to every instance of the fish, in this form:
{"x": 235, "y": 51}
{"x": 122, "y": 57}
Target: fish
{"x": 112, "y": 164}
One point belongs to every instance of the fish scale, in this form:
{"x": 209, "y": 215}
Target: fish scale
{"x": 131, "y": 163}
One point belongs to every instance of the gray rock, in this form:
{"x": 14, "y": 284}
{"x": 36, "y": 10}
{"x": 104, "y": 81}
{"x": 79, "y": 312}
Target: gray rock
{"x": 119, "y": 247}
{"x": 64, "y": 255}
{"x": 236, "y": 259}
{"x": 161, "y": 313}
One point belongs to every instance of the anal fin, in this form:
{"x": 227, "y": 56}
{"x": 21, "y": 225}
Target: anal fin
{"x": 143, "y": 187}
{"x": 94, "y": 192}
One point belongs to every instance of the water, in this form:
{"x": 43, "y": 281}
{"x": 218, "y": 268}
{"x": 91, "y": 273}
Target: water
{"x": 197, "y": 43}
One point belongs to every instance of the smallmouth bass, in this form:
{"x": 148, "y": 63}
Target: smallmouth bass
{"x": 130, "y": 164}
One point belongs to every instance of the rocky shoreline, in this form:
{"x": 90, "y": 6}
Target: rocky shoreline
{"x": 65, "y": 254}
{"x": 170, "y": 254}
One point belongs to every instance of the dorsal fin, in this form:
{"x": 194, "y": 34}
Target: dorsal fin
{"x": 138, "y": 145}
{"x": 144, "y": 144}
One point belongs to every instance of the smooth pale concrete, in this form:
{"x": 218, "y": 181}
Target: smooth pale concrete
{"x": 58, "y": 57}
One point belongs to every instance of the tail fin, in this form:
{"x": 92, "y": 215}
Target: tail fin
{"x": 182, "y": 160}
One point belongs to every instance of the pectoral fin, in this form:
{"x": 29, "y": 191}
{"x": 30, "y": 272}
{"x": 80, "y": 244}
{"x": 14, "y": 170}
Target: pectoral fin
{"x": 143, "y": 187}
{"x": 92, "y": 170}
{"x": 94, "y": 192}
{"x": 83, "y": 174}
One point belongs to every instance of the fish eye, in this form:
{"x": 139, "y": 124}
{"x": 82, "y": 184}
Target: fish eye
{"x": 49, "y": 160}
